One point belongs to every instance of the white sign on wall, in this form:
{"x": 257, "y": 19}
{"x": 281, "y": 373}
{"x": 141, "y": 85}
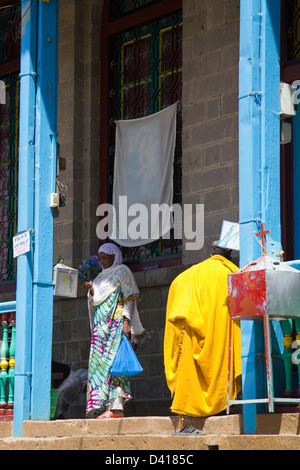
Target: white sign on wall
{"x": 21, "y": 243}
{"x": 230, "y": 235}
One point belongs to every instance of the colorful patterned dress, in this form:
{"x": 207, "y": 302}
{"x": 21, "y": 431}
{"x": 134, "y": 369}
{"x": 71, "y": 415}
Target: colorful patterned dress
{"x": 106, "y": 339}
{"x": 102, "y": 387}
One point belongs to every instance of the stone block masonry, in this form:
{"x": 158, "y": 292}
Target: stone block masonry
{"x": 78, "y": 128}
{"x": 210, "y": 51}
{"x": 210, "y": 113}
{"x": 71, "y": 342}
{"x": 209, "y": 162}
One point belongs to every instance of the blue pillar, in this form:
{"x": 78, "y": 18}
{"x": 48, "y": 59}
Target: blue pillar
{"x": 259, "y": 166}
{"x": 270, "y": 129}
{"x": 37, "y": 172}
{"x": 23, "y": 368}
{"x": 45, "y": 180}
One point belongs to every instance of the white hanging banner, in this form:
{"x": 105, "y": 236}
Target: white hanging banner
{"x": 143, "y": 178}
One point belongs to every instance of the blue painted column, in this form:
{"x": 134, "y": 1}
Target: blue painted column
{"x": 23, "y": 368}
{"x": 45, "y": 180}
{"x": 37, "y": 174}
{"x": 259, "y": 167}
{"x": 270, "y": 157}
{"x": 270, "y": 129}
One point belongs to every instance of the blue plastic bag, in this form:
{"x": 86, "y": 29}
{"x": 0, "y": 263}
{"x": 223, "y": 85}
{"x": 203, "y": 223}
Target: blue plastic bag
{"x": 126, "y": 363}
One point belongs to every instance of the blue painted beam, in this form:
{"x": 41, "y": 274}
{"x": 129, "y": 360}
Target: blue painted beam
{"x": 23, "y": 360}
{"x": 259, "y": 177}
{"x": 270, "y": 124}
{"x": 45, "y": 180}
{"x": 6, "y": 307}
{"x": 270, "y": 157}
{"x": 37, "y": 173}
{"x": 249, "y": 183}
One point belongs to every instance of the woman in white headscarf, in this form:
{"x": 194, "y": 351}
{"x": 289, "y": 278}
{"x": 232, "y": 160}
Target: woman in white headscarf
{"x": 112, "y": 299}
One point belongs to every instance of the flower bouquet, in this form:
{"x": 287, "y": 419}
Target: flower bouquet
{"x": 89, "y": 269}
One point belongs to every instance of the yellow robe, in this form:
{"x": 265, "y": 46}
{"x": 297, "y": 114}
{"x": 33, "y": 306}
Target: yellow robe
{"x": 197, "y": 338}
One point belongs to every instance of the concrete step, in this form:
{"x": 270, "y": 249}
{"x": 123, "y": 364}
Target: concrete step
{"x": 131, "y": 426}
{"x": 254, "y": 442}
{"x": 6, "y": 429}
{"x": 120, "y": 443}
{"x": 154, "y": 443}
{"x": 274, "y": 432}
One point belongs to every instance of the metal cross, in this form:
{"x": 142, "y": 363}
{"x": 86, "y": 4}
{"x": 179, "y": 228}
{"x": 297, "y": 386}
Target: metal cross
{"x": 262, "y": 233}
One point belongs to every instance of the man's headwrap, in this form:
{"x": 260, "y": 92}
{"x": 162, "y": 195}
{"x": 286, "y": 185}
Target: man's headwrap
{"x": 219, "y": 250}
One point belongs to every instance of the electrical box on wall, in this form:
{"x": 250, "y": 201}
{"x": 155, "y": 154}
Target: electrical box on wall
{"x": 285, "y": 132}
{"x": 54, "y": 198}
{"x": 287, "y": 107}
{"x": 65, "y": 280}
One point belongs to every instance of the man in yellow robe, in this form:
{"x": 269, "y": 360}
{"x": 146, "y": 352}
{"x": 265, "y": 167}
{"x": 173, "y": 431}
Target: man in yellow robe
{"x": 197, "y": 339}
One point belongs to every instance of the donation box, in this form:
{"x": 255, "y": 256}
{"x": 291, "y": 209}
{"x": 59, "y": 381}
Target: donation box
{"x": 65, "y": 280}
{"x": 264, "y": 287}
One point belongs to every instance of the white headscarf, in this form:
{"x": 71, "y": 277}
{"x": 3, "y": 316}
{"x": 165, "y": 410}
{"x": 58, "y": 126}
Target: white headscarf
{"x": 109, "y": 280}
{"x": 112, "y": 249}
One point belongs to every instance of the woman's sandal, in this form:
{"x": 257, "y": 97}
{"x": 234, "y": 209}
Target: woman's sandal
{"x": 109, "y": 414}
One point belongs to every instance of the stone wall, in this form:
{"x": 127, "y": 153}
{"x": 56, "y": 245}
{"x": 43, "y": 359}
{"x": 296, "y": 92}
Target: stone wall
{"x": 210, "y": 120}
{"x": 71, "y": 342}
{"x": 210, "y": 170}
{"x": 78, "y": 128}
{"x": 210, "y": 113}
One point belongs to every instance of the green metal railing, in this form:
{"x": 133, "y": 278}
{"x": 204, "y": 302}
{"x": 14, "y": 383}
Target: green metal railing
{"x": 7, "y": 360}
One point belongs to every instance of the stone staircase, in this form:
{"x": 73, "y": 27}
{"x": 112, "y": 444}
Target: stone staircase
{"x": 274, "y": 432}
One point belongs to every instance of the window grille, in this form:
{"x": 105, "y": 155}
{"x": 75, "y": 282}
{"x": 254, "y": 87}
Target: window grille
{"x": 145, "y": 76}
{"x": 9, "y": 134}
{"x": 120, "y": 8}
{"x": 10, "y": 31}
{"x": 9, "y": 120}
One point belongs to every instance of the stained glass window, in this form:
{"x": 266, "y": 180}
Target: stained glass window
{"x": 120, "y": 8}
{"x": 8, "y": 174}
{"x": 292, "y": 31}
{"x": 145, "y": 76}
{"x": 9, "y": 129}
{"x": 9, "y": 32}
